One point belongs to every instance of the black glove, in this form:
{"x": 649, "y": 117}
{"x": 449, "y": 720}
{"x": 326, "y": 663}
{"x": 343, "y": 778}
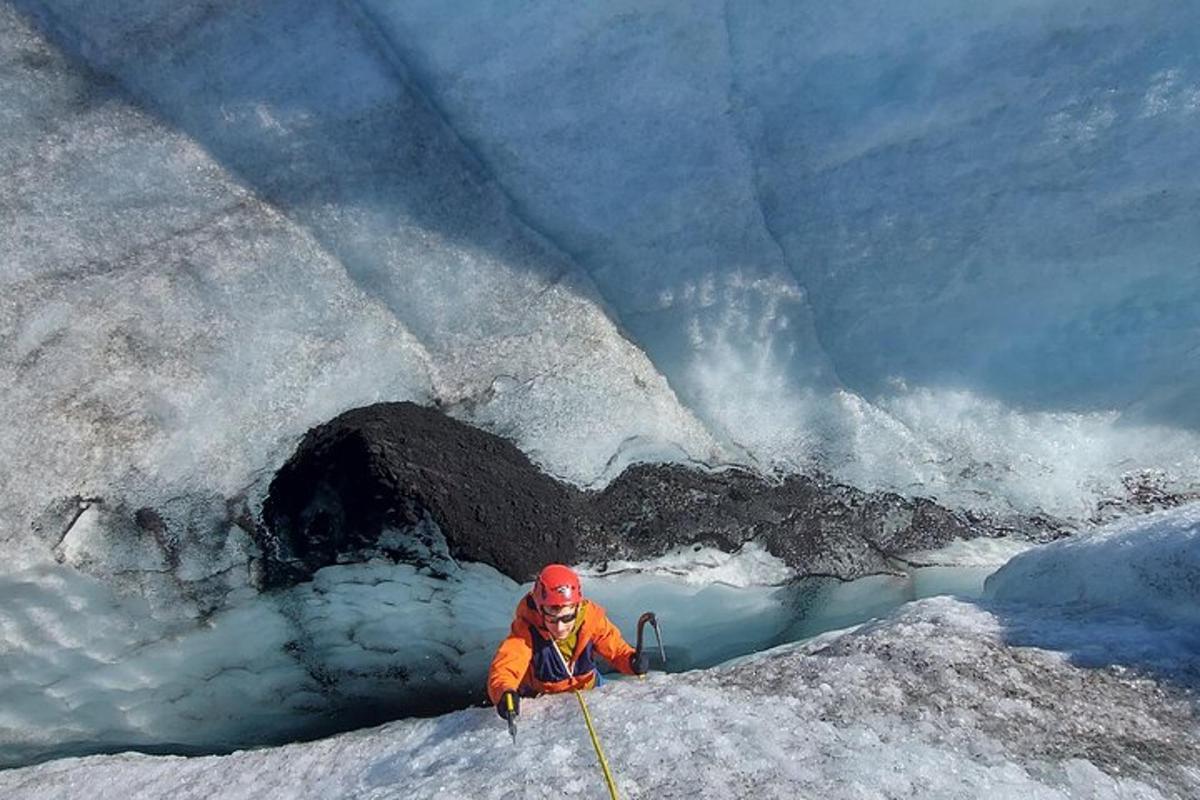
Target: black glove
{"x": 640, "y": 663}
{"x": 502, "y": 706}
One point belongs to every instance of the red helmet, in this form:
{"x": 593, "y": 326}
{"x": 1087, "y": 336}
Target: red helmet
{"x": 557, "y": 585}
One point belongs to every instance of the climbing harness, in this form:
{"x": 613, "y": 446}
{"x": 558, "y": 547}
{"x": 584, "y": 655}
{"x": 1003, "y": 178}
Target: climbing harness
{"x": 587, "y": 717}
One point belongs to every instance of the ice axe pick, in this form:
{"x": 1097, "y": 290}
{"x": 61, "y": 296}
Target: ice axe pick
{"x": 649, "y": 617}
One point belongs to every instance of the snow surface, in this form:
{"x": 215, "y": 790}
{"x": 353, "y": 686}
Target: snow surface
{"x": 87, "y": 666}
{"x": 943, "y": 698}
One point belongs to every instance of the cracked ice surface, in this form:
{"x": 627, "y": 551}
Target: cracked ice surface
{"x": 931, "y": 702}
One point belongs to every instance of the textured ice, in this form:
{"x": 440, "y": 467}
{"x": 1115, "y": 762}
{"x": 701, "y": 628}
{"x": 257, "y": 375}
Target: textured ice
{"x": 1144, "y": 565}
{"x": 1037, "y": 692}
{"x": 923, "y": 245}
{"x": 929, "y": 703}
{"x": 188, "y": 287}
{"x": 163, "y": 329}
{"x": 84, "y": 665}
{"x": 88, "y": 664}
{"x": 1067, "y": 680}
{"x": 751, "y": 565}
{"x": 316, "y": 116}
{"x": 1125, "y": 596}
{"x": 962, "y": 270}
{"x": 992, "y": 553}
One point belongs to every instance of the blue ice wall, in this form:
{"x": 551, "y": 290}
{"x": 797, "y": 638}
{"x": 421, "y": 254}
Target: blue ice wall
{"x": 995, "y": 197}
{"x": 1001, "y": 197}
{"x": 941, "y": 247}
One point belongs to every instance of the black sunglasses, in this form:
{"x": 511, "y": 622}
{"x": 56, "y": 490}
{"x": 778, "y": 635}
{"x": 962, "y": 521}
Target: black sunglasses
{"x": 564, "y": 618}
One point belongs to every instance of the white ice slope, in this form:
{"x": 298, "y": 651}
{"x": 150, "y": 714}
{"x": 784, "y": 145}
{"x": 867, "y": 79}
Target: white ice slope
{"x": 85, "y": 667}
{"x": 1142, "y": 565}
{"x": 935, "y": 700}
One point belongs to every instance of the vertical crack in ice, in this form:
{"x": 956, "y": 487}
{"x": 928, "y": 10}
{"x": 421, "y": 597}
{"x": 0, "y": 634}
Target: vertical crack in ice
{"x": 734, "y": 103}
{"x": 393, "y": 54}
{"x": 737, "y": 105}
{"x": 406, "y": 76}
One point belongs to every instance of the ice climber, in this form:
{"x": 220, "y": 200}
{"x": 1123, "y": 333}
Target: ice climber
{"x": 553, "y": 644}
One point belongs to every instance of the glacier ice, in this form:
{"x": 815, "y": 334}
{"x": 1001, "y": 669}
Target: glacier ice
{"x": 92, "y": 663}
{"x": 1143, "y": 566}
{"x": 934, "y": 700}
{"x": 750, "y": 565}
{"x": 942, "y": 250}
{"x": 316, "y": 116}
{"x": 830, "y": 226}
{"x": 86, "y": 666}
{"x": 963, "y": 271}
{"x": 171, "y": 325}
{"x": 157, "y": 315}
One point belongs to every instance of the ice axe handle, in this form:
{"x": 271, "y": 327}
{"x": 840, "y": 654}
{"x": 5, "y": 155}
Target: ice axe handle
{"x": 641, "y": 627}
{"x": 512, "y": 717}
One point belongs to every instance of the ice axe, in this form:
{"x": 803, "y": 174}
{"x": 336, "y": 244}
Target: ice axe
{"x": 511, "y": 716}
{"x": 641, "y": 626}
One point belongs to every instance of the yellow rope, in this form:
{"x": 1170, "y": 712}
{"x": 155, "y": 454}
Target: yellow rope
{"x": 608, "y": 778}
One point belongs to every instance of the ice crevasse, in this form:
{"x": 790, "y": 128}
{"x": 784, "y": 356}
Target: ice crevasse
{"x": 938, "y": 249}
{"x": 1005, "y": 697}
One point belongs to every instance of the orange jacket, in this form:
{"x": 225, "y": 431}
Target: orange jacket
{"x": 528, "y": 662}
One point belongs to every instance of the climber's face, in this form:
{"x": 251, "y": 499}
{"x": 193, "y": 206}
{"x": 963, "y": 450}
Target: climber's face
{"x": 560, "y": 619}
